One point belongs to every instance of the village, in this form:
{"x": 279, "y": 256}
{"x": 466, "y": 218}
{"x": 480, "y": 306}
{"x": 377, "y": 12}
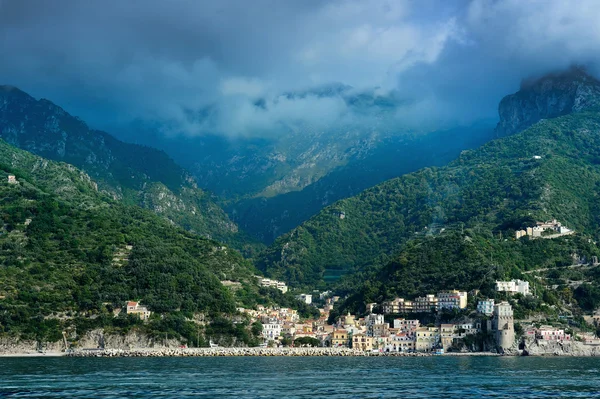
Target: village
{"x": 380, "y": 330}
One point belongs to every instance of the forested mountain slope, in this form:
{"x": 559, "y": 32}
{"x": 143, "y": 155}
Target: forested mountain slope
{"x": 131, "y": 173}
{"x": 551, "y": 170}
{"x": 70, "y": 254}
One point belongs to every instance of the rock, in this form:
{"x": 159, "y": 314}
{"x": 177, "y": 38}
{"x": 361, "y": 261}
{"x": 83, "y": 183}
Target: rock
{"x": 548, "y": 97}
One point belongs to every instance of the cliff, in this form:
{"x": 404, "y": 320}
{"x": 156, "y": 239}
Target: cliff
{"x": 548, "y": 97}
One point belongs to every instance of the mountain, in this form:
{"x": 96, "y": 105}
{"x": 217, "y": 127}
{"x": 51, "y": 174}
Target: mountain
{"x": 71, "y": 254}
{"x": 270, "y": 184}
{"x": 268, "y": 217}
{"x": 548, "y": 97}
{"x": 547, "y": 171}
{"x": 473, "y": 259}
{"x": 130, "y": 173}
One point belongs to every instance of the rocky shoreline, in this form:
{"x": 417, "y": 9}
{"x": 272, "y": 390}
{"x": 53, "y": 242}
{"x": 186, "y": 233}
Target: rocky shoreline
{"x": 263, "y": 352}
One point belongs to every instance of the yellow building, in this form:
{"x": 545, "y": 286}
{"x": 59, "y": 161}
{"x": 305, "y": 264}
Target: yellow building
{"x": 339, "y": 338}
{"x": 362, "y": 342}
{"x": 447, "y": 335}
{"x": 428, "y": 338}
{"x": 141, "y": 311}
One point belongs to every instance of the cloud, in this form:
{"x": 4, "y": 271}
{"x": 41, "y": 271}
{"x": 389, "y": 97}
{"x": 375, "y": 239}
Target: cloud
{"x": 195, "y": 67}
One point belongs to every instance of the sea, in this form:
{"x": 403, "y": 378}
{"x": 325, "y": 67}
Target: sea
{"x": 301, "y": 377}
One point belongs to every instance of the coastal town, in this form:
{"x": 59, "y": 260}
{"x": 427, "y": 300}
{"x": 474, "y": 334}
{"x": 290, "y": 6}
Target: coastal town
{"x": 443, "y": 322}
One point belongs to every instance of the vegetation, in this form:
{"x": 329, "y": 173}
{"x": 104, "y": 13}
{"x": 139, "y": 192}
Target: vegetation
{"x": 133, "y": 174}
{"x": 70, "y": 256}
{"x": 492, "y": 191}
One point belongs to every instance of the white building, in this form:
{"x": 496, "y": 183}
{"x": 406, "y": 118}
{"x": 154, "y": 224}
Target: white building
{"x": 486, "y": 307}
{"x": 12, "y": 179}
{"x": 513, "y": 287}
{"x": 267, "y": 282}
{"x": 136, "y": 309}
{"x": 271, "y": 331}
{"x": 306, "y": 298}
{"x": 453, "y": 299}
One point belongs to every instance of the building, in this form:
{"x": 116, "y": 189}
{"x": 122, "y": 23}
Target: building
{"x": 398, "y": 305}
{"x": 271, "y": 331}
{"x": 503, "y": 325}
{"x": 348, "y": 320}
{"x": 12, "y": 179}
{"x": 549, "y": 333}
{"x": 407, "y": 326}
{"x": 306, "y": 298}
{"x": 136, "y": 309}
{"x": 428, "y": 338}
{"x": 380, "y": 330}
{"x": 553, "y": 226}
{"x": 447, "y": 335}
{"x": 362, "y": 342}
{"x": 453, "y": 299}
{"x": 486, "y": 307}
{"x": 427, "y": 303}
{"x": 339, "y": 338}
{"x": 400, "y": 343}
{"x": 373, "y": 320}
{"x": 513, "y": 287}
{"x": 267, "y": 282}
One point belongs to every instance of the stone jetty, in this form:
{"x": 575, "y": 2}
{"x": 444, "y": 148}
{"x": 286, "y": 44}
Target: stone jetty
{"x": 226, "y": 352}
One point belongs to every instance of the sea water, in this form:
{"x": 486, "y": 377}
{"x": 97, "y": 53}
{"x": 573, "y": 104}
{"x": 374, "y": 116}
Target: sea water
{"x": 302, "y": 377}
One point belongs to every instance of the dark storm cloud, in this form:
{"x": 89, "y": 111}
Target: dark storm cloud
{"x": 167, "y": 62}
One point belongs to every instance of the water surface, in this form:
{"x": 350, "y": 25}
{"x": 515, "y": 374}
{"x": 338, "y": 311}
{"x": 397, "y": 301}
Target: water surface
{"x": 307, "y": 377}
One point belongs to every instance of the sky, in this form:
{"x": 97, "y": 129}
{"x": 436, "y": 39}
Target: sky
{"x": 193, "y": 67}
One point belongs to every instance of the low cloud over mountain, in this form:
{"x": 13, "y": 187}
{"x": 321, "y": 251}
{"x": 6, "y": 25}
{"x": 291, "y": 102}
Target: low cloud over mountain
{"x": 228, "y": 67}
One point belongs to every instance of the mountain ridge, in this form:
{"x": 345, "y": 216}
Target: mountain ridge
{"x": 497, "y": 186}
{"x": 130, "y": 173}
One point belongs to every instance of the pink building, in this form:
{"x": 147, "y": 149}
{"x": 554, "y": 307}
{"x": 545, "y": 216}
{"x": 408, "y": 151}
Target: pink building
{"x": 550, "y": 333}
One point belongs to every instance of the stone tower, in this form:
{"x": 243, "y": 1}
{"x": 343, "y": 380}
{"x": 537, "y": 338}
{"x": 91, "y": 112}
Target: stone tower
{"x": 503, "y": 325}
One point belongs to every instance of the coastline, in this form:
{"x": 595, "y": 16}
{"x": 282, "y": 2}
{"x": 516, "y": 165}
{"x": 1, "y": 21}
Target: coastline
{"x": 255, "y": 352}
{"x": 265, "y": 352}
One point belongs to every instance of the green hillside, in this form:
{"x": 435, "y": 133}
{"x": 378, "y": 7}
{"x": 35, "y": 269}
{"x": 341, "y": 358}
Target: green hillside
{"x": 131, "y": 173}
{"x": 470, "y": 260}
{"x": 497, "y": 188}
{"x": 70, "y": 254}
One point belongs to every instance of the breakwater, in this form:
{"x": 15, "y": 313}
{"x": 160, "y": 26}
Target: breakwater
{"x": 230, "y": 352}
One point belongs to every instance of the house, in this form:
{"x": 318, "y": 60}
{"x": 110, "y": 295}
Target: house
{"x": 339, "y": 338}
{"x": 549, "y": 333}
{"x": 267, "y": 282}
{"x": 12, "y": 179}
{"x": 380, "y": 330}
{"x": 271, "y": 331}
{"x": 428, "y": 338}
{"x": 371, "y": 321}
{"x": 452, "y": 299}
{"x": 136, "y": 309}
{"x": 407, "y": 326}
{"x": 447, "y": 335}
{"x": 400, "y": 342}
{"x": 513, "y": 287}
{"x": 486, "y": 307}
{"x": 362, "y": 342}
{"x": 427, "y": 303}
{"x": 398, "y": 305}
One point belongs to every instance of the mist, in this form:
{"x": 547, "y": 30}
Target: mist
{"x": 236, "y": 68}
